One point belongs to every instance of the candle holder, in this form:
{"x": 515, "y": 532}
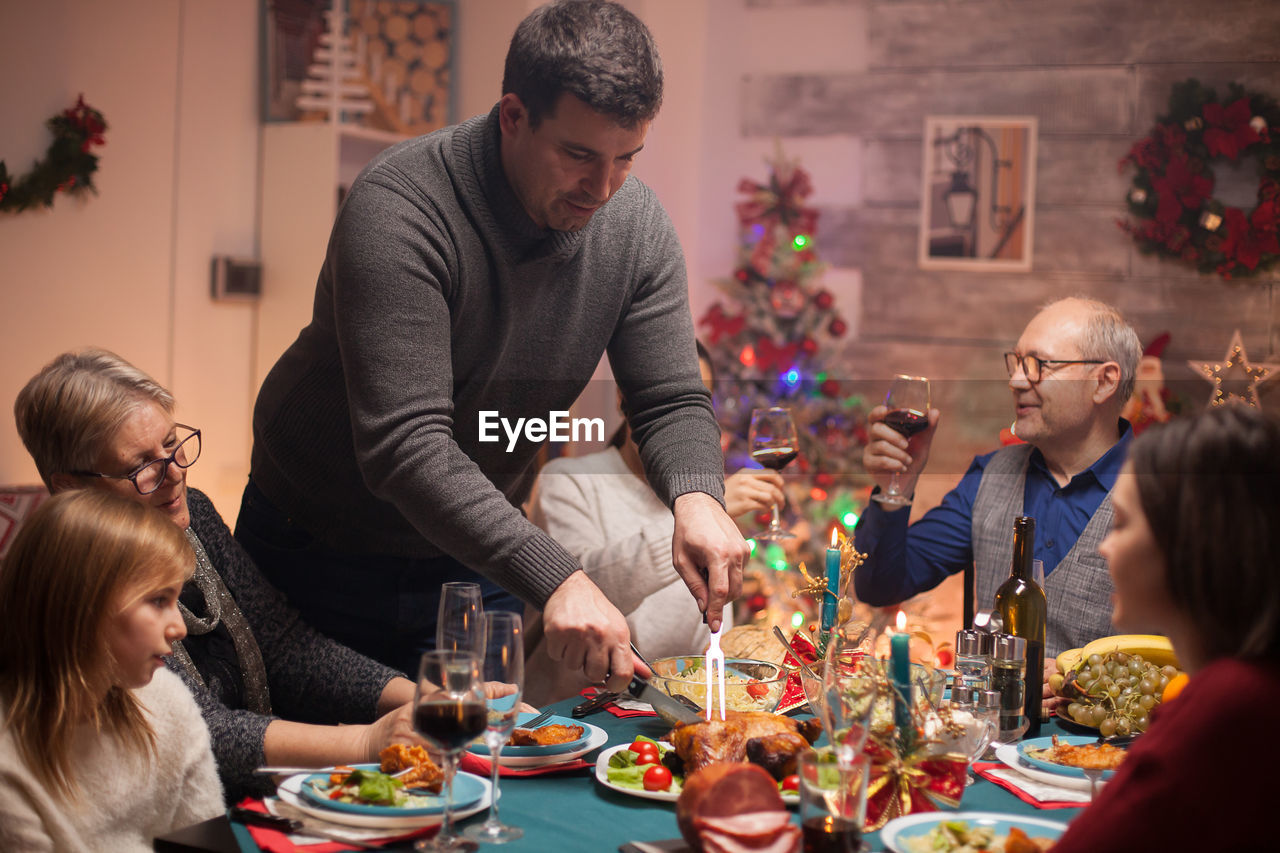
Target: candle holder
{"x": 819, "y": 588}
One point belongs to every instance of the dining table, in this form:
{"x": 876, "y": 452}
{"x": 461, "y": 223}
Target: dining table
{"x": 570, "y": 812}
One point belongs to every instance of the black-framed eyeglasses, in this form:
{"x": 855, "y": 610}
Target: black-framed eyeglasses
{"x": 148, "y": 477}
{"x": 1033, "y": 367}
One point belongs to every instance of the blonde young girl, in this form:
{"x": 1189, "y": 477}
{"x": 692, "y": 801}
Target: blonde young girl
{"x": 101, "y": 748}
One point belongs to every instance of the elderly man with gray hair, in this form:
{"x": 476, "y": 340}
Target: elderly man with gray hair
{"x": 1070, "y": 373}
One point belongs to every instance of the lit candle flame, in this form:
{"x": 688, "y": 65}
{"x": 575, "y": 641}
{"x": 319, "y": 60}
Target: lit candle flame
{"x": 835, "y": 536}
{"x": 902, "y": 621}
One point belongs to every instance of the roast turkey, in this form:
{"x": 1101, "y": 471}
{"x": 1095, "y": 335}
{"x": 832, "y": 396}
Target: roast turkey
{"x": 769, "y": 740}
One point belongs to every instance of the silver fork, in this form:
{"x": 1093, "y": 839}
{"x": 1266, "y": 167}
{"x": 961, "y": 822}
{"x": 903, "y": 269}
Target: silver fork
{"x": 538, "y": 720}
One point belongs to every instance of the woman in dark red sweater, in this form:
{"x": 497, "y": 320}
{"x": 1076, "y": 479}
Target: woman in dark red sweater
{"x": 1193, "y": 554}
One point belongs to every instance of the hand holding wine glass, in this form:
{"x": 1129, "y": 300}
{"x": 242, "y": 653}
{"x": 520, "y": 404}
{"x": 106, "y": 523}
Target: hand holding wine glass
{"x": 449, "y": 712}
{"x": 773, "y": 443}
{"x": 908, "y": 405}
{"x": 502, "y": 667}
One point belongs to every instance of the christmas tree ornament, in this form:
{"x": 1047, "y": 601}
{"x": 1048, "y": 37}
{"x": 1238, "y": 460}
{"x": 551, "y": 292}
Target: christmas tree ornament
{"x": 1234, "y": 378}
{"x": 786, "y": 299}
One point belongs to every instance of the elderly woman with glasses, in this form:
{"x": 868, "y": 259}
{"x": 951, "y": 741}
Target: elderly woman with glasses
{"x": 271, "y": 688}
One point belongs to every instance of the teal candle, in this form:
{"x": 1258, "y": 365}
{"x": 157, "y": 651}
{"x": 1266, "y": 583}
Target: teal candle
{"x": 831, "y": 599}
{"x": 900, "y": 672}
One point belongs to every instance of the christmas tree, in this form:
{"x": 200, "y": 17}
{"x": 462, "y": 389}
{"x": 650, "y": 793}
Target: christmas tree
{"x": 771, "y": 339}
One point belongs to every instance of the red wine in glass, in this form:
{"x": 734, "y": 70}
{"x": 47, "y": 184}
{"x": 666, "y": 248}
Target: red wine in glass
{"x": 449, "y": 712}
{"x": 831, "y": 834}
{"x": 450, "y": 724}
{"x": 907, "y": 421}
{"x": 908, "y": 405}
{"x": 775, "y": 458}
{"x": 773, "y": 443}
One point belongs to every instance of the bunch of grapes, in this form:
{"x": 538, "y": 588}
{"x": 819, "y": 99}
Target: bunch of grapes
{"x": 1116, "y": 692}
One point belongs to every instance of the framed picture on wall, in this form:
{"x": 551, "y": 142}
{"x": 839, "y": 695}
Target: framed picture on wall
{"x": 380, "y": 64}
{"x": 977, "y": 200}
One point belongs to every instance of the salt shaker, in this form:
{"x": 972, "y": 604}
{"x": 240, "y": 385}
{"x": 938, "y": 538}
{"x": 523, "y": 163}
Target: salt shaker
{"x": 973, "y": 668}
{"x": 964, "y": 698}
{"x": 988, "y": 710}
{"x": 1008, "y": 676}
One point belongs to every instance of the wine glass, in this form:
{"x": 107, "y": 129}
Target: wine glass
{"x": 908, "y": 405}
{"x": 502, "y": 666}
{"x": 449, "y": 713}
{"x": 773, "y": 444}
{"x": 458, "y": 619}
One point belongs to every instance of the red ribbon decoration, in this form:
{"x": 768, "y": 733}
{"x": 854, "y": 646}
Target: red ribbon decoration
{"x": 721, "y": 324}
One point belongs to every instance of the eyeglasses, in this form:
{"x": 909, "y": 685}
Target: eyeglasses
{"x": 1033, "y": 368}
{"x": 148, "y": 477}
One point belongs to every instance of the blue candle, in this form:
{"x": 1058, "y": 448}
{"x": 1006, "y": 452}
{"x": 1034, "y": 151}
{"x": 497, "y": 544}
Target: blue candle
{"x": 900, "y": 672}
{"x": 831, "y": 600}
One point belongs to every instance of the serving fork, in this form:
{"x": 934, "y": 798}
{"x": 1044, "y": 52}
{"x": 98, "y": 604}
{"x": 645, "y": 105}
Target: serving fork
{"x": 715, "y": 660}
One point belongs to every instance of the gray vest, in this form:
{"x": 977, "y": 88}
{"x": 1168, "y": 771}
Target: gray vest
{"x": 1078, "y": 590}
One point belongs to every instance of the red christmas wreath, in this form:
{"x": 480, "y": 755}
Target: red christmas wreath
{"x": 67, "y": 166}
{"x": 1171, "y": 200}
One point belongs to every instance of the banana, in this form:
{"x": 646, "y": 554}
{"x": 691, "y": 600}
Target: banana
{"x": 1153, "y": 647}
{"x": 1069, "y": 660}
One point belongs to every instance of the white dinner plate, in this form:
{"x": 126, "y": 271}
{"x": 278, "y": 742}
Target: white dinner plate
{"x": 1008, "y": 755}
{"x": 899, "y": 831}
{"x": 595, "y": 738}
{"x": 290, "y": 792}
{"x": 602, "y": 776}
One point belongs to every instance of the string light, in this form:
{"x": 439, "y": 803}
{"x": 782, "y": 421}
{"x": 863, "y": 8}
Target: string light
{"x": 850, "y": 519}
{"x": 797, "y": 619}
{"x": 800, "y": 241}
{"x": 791, "y": 379}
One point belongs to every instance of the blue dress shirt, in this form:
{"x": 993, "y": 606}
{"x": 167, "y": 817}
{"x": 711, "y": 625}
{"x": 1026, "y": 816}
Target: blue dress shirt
{"x": 904, "y": 560}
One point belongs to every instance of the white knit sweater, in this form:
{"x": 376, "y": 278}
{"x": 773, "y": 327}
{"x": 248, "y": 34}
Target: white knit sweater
{"x": 611, "y": 520}
{"x": 126, "y": 800}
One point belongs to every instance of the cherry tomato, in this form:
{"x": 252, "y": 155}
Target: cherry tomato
{"x": 657, "y": 778}
{"x": 640, "y": 747}
{"x": 791, "y": 783}
{"x": 648, "y": 758}
{"x": 757, "y": 691}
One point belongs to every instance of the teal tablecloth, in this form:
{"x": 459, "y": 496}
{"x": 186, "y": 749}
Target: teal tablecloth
{"x": 569, "y": 813}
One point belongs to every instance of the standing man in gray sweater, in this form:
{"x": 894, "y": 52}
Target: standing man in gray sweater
{"x": 473, "y": 279}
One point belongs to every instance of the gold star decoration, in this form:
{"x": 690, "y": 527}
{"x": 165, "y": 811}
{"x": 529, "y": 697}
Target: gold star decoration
{"x": 1234, "y": 379}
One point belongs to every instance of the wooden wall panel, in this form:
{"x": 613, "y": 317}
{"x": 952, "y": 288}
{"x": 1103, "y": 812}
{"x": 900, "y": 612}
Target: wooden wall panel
{"x": 1081, "y": 32}
{"x": 1071, "y": 100}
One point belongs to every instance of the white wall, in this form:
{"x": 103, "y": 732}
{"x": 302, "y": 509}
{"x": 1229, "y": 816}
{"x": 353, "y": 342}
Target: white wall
{"x": 128, "y": 269}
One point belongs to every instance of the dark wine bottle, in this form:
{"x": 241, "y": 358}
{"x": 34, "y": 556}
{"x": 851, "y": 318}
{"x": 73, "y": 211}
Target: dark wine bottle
{"x": 1021, "y": 603}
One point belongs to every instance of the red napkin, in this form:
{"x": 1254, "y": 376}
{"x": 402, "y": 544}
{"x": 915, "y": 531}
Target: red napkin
{"x": 612, "y": 708}
{"x": 275, "y": 841}
{"x": 983, "y": 769}
{"x": 481, "y": 766}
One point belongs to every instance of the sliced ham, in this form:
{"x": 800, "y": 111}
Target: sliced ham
{"x": 786, "y": 840}
{"x": 734, "y": 808}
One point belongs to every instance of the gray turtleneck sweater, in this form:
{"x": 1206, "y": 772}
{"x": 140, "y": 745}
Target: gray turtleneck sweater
{"x": 440, "y": 299}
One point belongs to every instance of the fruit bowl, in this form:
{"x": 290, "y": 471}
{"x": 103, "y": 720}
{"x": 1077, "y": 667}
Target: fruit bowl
{"x": 749, "y": 685}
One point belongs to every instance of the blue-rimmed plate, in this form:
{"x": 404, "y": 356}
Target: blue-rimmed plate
{"x": 467, "y": 791}
{"x": 906, "y": 834}
{"x": 480, "y": 748}
{"x": 1028, "y": 748}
